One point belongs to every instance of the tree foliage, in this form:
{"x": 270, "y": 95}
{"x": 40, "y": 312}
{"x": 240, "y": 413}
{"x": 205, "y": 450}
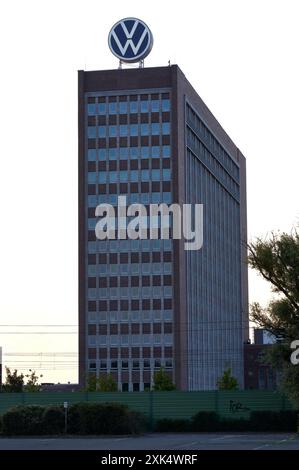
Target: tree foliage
{"x": 14, "y": 382}
{"x": 227, "y": 381}
{"x": 107, "y": 383}
{"x": 32, "y": 384}
{"x": 103, "y": 383}
{"x": 162, "y": 381}
{"x": 277, "y": 261}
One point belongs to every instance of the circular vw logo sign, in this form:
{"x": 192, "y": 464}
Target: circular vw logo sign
{"x": 130, "y": 40}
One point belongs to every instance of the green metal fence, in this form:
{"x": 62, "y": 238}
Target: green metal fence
{"x": 158, "y": 405}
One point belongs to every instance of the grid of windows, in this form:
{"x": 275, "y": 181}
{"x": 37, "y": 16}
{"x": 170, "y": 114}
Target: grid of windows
{"x": 216, "y": 269}
{"x": 129, "y": 285}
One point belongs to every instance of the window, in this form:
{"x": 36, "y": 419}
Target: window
{"x": 156, "y": 199}
{"x": 145, "y": 200}
{"x": 102, "y": 317}
{"x": 103, "y": 365}
{"x": 91, "y": 340}
{"x": 134, "y": 152}
{"x": 133, "y": 129}
{"x": 157, "y": 339}
{"x": 133, "y": 106}
{"x": 136, "y": 387}
{"x": 91, "y": 177}
{"x": 165, "y": 128}
{"x": 91, "y": 109}
{"x": 144, "y": 129}
{"x": 113, "y": 364}
{"x": 146, "y": 339}
{"x": 92, "y": 155}
{"x": 114, "y": 340}
{"x": 166, "y": 151}
{"x": 144, "y": 106}
{"x": 91, "y": 132}
{"x": 112, "y": 131}
{"x": 135, "y": 365}
{"x": 123, "y": 131}
{"x": 155, "y": 128}
{"x": 166, "y": 105}
{"x": 112, "y": 154}
{"x": 166, "y": 198}
{"x": 124, "y": 339}
{"x": 112, "y": 176}
{"x": 145, "y": 175}
{"x": 125, "y": 387}
{"x": 102, "y": 131}
{"x": 144, "y": 152}
{"x": 166, "y": 174}
{"x": 156, "y": 151}
{"x": 92, "y": 366}
{"x": 168, "y": 315}
{"x": 125, "y": 365}
{"x": 134, "y": 175}
{"x": 155, "y": 106}
{"x": 123, "y": 107}
{"x": 123, "y": 151}
{"x": 168, "y": 364}
{"x": 135, "y": 339}
{"x": 123, "y": 176}
{"x": 155, "y": 175}
{"x": 102, "y": 154}
{"x": 102, "y": 108}
{"x": 157, "y": 364}
{"x": 146, "y": 364}
{"x": 102, "y": 340}
{"x": 102, "y": 177}
{"x": 168, "y": 338}
{"x": 147, "y": 386}
{"x": 112, "y": 108}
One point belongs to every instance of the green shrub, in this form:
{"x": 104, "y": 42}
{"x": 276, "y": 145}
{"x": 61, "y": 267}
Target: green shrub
{"x": 173, "y": 425}
{"x": 281, "y": 421}
{"x": 23, "y": 420}
{"x": 234, "y": 425}
{"x": 104, "y": 418}
{"x": 53, "y": 420}
{"x": 205, "y": 421}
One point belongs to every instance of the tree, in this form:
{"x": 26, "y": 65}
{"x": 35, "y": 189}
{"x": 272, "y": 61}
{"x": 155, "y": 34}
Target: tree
{"x": 14, "y": 382}
{"x": 32, "y": 384}
{"x": 162, "y": 381}
{"x": 227, "y": 381}
{"x": 103, "y": 383}
{"x": 106, "y": 383}
{"x": 91, "y": 383}
{"x": 277, "y": 260}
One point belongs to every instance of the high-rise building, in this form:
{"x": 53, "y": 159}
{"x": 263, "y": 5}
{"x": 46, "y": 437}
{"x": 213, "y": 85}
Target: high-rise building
{"x": 146, "y": 304}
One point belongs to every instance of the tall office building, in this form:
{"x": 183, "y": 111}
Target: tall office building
{"x": 145, "y": 304}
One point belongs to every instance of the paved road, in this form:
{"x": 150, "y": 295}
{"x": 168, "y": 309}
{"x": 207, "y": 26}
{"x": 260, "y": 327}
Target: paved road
{"x": 212, "y": 441}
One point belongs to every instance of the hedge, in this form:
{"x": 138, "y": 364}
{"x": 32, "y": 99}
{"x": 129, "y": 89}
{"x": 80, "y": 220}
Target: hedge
{"x": 83, "y": 418}
{"x": 115, "y": 418}
{"x": 209, "y": 421}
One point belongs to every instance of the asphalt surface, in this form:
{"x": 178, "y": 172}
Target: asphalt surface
{"x": 211, "y": 441}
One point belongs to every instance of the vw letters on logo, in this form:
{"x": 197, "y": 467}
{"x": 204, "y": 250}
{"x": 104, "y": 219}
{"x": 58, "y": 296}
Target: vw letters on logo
{"x": 130, "y": 40}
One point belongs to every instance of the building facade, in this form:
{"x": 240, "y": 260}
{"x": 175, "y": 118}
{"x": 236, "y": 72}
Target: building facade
{"x": 258, "y": 373}
{"x": 146, "y": 304}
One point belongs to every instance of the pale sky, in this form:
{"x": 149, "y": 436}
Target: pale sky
{"x": 242, "y": 58}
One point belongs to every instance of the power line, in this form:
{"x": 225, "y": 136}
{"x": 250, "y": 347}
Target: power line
{"x": 38, "y": 332}
{"x": 37, "y": 325}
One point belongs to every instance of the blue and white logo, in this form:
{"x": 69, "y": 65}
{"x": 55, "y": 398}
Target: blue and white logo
{"x": 130, "y": 40}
